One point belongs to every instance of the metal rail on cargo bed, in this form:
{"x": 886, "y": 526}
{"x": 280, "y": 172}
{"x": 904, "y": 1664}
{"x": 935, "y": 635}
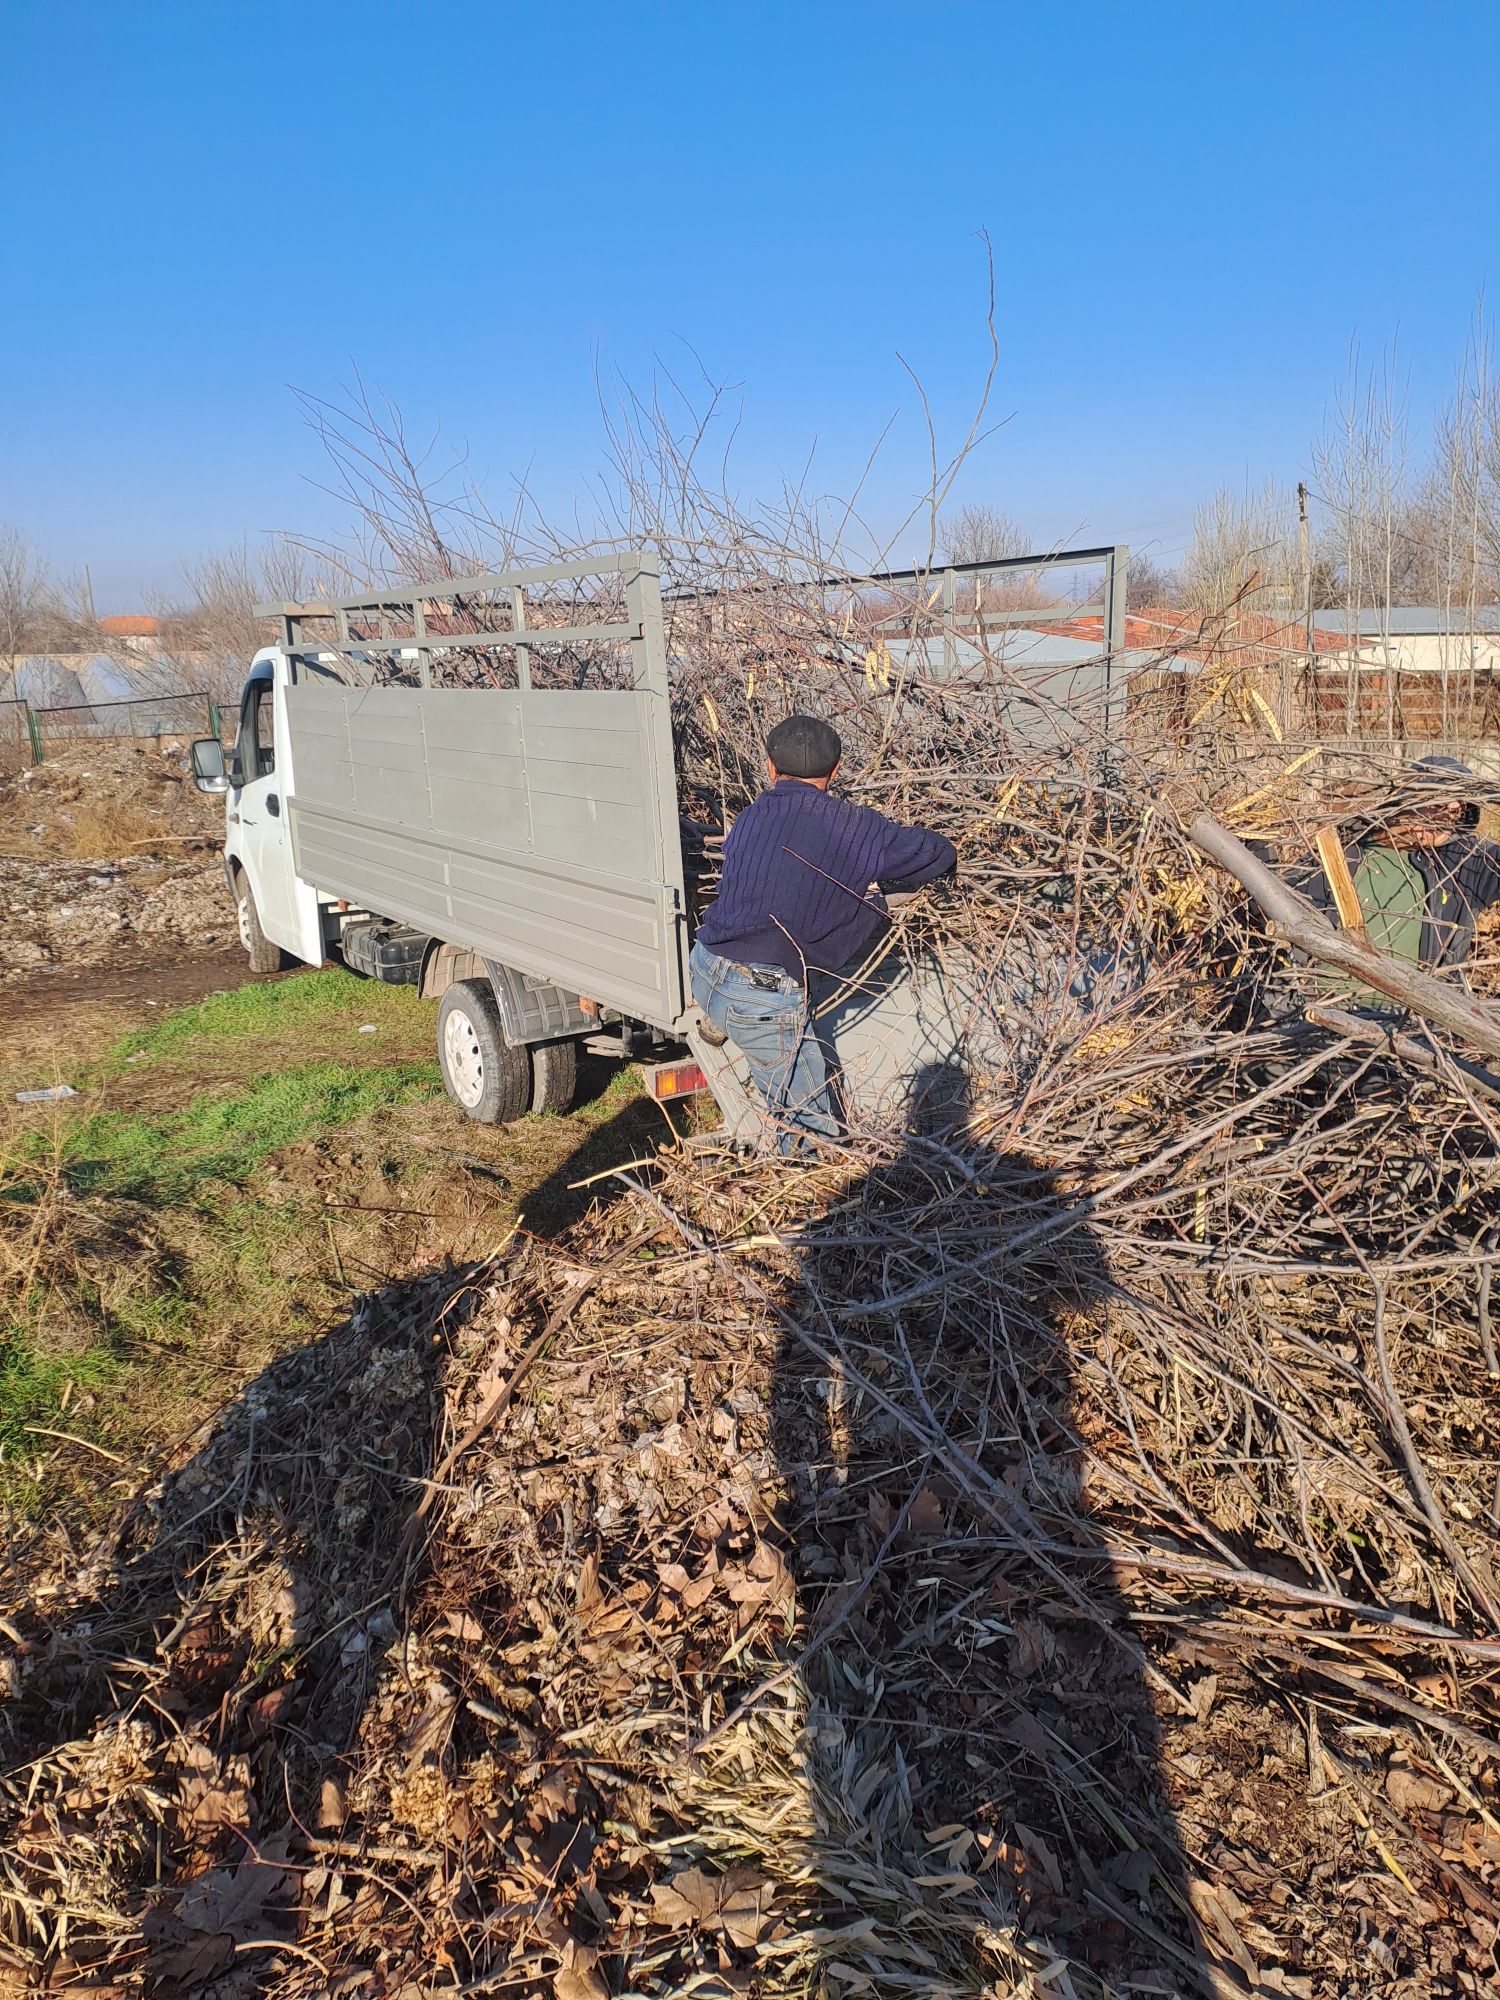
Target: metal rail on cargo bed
{"x": 409, "y": 621}
{"x": 533, "y": 823}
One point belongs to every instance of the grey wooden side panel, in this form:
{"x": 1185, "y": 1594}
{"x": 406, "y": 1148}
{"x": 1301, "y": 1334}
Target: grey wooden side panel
{"x": 476, "y": 766}
{"x": 388, "y": 748}
{"x": 590, "y": 780}
{"x": 321, "y": 734}
{"x": 381, "y": 867}
{"x": 523, "y": 824}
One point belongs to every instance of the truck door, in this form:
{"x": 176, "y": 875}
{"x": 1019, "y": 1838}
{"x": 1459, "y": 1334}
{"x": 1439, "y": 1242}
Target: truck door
{"x": 265, "y": 842}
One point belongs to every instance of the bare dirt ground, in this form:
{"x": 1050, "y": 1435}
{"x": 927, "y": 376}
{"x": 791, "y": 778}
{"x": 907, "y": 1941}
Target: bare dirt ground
{"x": 113, "y": 908}
{"x": 108, "y": 858}
{"x": 51, "y": 1016}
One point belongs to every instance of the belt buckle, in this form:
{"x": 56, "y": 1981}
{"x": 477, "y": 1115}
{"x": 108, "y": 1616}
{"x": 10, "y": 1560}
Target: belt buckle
{"x": 767, "y": 982}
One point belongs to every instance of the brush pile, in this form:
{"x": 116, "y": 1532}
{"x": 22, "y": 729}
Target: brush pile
{"x": 1044, "y": 1547}
{"x": 1044, "y": 1550}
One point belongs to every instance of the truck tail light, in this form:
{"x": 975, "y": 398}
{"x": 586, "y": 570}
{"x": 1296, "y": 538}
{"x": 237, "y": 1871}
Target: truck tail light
{"x": 679, "y": 1079}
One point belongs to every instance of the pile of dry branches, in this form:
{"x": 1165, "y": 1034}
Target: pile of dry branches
{"x": 1044, "y": 1548}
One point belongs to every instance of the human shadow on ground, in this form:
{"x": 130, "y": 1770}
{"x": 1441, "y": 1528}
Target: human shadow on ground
{"x": 183, "y": 1704}
{"x": 986, "y": 1753}
{"x": 186, "y": 1699}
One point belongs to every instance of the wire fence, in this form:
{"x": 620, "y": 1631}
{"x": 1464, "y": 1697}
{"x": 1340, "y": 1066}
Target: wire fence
{"x": 17, "y": 744}
{"x": 28, "y": 733}
{"x": 1161, "y": 704}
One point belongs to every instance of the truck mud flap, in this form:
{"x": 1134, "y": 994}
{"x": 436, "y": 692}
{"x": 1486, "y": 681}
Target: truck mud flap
{"x": 534, "y": 1010}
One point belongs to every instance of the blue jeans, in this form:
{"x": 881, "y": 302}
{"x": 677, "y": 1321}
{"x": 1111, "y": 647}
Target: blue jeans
{"x": 771, "y": 1026}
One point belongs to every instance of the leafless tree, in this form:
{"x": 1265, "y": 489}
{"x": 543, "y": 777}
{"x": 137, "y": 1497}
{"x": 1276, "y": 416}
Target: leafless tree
{"x": 1240, "y": 574}
{"x": 978, "y": 533}
{"x": 414, "y": 510}
{"x": 23, "y": 598}
{"x": 1396, "y": 535}
{"x": 1243, "y": 553}
{"x": 1461, "y": 496}
{"x": 1149, "y": 582}
{"x": 1375, "y": 545}
{"x": 40, "y": 614}
{"x": 208, "y": 633}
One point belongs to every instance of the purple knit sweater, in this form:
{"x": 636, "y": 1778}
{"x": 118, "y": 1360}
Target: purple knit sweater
{"x": 799, "y": 866}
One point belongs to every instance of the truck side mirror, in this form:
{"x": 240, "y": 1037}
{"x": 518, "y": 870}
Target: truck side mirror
{"x": 209, "y": 774}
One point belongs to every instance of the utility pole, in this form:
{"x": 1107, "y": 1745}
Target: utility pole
{"x": 1304, "y": 550}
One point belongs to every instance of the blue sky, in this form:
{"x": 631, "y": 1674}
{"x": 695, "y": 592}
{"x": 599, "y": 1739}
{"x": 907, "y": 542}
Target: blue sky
{"x": 1195, "y": 210}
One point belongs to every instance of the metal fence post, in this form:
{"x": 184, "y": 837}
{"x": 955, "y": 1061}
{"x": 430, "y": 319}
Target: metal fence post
{"x": 215, "y": 720}
{"x": 1116, "y": 562}
{"x": 34, "y": 730}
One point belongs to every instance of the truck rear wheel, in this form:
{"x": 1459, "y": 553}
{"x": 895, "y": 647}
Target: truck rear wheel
{"x": 487, "y": 1079}
{"x": 554, "y": 1075}
{"x": 264, "y": 956}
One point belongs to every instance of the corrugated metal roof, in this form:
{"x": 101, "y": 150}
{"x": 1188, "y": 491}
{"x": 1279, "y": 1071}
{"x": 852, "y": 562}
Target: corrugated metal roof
{"x": 1020, "y": 647}
{"x": 1410, "y": 621}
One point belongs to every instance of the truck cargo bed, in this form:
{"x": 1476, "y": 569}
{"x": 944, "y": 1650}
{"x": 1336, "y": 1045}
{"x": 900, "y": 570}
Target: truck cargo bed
{"x": 536, "y": 826}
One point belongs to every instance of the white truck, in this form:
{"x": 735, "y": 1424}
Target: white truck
{"x": 471, "y": 788}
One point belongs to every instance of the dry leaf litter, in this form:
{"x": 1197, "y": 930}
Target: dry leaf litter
{"x": 1043, "y": 1547}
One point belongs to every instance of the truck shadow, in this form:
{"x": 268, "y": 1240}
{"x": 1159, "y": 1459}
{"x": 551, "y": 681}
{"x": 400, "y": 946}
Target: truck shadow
{"x": 581, "y": 1181}
{"x": 979, "y": 1717}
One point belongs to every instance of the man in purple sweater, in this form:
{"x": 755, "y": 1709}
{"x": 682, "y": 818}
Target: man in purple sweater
{"x": 797, "y": 906}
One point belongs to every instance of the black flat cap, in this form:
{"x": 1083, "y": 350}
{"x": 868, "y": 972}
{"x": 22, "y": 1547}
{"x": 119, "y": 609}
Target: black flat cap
{"x": 804, "y": 747}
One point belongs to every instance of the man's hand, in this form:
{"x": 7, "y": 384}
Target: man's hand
{"x": 693, "y": 833}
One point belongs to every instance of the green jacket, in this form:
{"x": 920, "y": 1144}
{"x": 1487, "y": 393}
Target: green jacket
{"x": 1420, "y": 906}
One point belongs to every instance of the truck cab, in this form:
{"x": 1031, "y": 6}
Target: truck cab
{"x": 279, "y": 915}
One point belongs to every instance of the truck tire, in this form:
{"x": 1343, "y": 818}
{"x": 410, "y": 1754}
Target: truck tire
{"x": 264, "y": 956}
{"x": 554, "y": 1076}
{"x": 487, "y": 1079}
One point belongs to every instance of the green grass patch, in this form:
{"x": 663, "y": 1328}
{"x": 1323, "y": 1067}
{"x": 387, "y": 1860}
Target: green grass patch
{"x": 165, "y": 1160}
{"x": 271, "y": 1021}
{"x": 232, "y": 1172}
{"x": 35, "y": 1388}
